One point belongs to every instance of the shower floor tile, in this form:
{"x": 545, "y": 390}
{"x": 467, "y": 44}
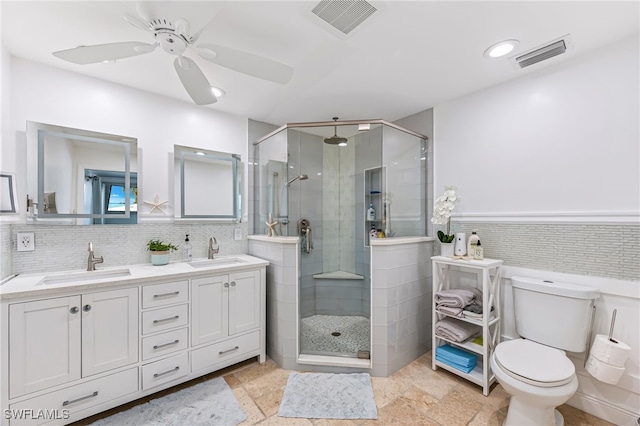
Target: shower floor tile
{"x": 317, "y": 334}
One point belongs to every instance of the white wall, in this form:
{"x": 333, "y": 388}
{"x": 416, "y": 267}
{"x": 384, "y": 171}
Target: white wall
{"x": 49, "y": 95}
{"x": 562, "y": 140}
{"x": 559, "y": 145}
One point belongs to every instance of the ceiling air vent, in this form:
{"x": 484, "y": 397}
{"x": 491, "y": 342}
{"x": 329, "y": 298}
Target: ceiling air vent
{"x": 539, "y": 54}
{"x": 343, "y": 15}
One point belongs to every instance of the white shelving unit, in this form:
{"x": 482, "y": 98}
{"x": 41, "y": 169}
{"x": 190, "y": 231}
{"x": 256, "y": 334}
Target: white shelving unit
{"x": 484, "y": 275}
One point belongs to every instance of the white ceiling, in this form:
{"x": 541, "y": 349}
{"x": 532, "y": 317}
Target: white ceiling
{"x": 409, "y": 56}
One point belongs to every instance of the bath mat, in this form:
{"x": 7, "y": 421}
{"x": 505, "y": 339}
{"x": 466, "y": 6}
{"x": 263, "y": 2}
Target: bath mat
{"x": 328, "y": 396}
{"x": 209, "y": 403}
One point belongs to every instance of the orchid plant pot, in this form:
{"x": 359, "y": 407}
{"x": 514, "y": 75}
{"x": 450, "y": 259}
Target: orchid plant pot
{"x": 446, "y": 249}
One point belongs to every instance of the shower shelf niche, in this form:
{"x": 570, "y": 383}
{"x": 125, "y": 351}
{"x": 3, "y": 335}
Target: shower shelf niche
{"x": 374, "y": 193}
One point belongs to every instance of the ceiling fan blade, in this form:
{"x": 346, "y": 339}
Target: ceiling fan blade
{"x": 247, "y": 63}
{"x": 194, "y": 81}
{"x": 136, "y": 22}
{"x": 84, "y": 55}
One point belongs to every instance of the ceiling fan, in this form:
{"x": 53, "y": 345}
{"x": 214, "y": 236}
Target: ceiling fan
{"x": 174, "y": 38}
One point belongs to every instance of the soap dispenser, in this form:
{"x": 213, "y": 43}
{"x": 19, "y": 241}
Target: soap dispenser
{"x": 371, "y": 213}
{"x": 473, "y": 241}
{"x": 187, "y": 253}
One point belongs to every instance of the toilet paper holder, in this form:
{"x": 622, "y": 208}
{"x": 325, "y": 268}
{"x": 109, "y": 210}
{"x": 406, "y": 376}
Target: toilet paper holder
{"x": 611, "y": 339}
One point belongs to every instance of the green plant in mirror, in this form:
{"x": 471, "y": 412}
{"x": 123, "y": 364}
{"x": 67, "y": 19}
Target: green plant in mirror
{"x": 158, "y": 245}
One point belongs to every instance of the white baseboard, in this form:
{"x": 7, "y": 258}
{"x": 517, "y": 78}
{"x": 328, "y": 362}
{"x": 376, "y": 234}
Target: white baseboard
{"x": 603, "y": 410}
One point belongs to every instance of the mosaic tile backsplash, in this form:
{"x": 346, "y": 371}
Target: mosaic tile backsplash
{"x": 64, "y": 247}
{"x": 603, "y": 250}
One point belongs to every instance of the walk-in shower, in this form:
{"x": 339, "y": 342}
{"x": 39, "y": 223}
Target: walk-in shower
{"x": 320, "y": 192}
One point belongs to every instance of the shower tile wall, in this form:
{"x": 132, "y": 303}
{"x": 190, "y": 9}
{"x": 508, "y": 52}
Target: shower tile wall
{"x": 402, "y": 292}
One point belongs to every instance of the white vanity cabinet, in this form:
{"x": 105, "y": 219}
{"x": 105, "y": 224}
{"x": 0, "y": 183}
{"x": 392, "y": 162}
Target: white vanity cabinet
{"x": 77, "y": 349}
{"x": 58, "y": 340}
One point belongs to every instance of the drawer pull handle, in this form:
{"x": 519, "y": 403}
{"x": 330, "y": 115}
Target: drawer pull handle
{"x": 86, "y": 308}
{"x": 166, "y": 319}
{"x": 226, "y": 285}
{"x": 175, "y": 342}
{"x": 176, "y": 368}
{"x": 74, "y": 310}
{"x": 175, "y": 293}
{"x": 233, "y": 283}
{"x": 82, "y": 398}
{"x": 229, "y": 350}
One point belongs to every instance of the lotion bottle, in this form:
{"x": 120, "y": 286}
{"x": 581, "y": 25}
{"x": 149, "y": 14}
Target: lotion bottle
{"x": 187, "y": 253}
{"x": 473, "y": 241}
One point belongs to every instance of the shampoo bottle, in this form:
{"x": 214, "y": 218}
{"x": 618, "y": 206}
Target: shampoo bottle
{"x": 187, "y": 253}
{"x": 473, "y": 241}
{"x": 371, "y": 213}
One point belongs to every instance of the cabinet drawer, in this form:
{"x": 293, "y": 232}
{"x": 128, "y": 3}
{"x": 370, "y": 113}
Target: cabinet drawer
{"x": 164, "y": 371}
{"x": 78, "y": 397}
{"x": 165, "y": 294}
{"x": 164, "y": 319}
{"x": 164, "y": 343}
{"x": 219, "y": 352}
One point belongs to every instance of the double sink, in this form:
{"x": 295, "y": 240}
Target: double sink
{"x": 74, "y": 277}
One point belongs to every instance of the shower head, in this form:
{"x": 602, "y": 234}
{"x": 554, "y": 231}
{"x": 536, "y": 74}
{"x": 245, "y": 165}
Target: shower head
{"x": 301, "y": 177}
{"x": 335, "y": 139}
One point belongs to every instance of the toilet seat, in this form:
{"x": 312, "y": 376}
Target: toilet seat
{"x": 534, "y": 363}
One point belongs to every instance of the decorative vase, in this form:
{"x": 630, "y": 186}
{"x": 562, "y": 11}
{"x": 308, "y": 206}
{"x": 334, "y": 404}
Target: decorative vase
{"x": 446, "y": 249}
{"x": 461, "y": 244}
{"x": 159, "y": 258}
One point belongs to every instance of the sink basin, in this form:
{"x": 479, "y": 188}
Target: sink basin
{"x": 209, "y": 263}
{"x": 85, "y": 276}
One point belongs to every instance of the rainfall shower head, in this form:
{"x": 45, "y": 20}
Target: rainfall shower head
{"x": 335, "y": 139}
{"x": 301, "y": 177}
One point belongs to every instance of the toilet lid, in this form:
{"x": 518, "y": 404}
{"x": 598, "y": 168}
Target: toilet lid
{"x": 533, "y": 363}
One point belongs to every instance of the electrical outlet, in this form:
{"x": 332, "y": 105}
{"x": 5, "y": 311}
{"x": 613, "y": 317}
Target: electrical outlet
{"x": 26, "y": 241}
{"x": 237, "y": 233}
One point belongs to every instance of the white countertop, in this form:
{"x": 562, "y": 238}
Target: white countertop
{"x": 28, "y": 285}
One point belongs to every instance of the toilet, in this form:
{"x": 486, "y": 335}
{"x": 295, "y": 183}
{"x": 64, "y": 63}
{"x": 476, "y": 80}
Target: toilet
{"x": 551, "y": 318}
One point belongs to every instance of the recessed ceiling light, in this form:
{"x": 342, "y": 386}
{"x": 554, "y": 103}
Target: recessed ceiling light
{"x": 500, "y": 49}
{"x": 218, "y": 92}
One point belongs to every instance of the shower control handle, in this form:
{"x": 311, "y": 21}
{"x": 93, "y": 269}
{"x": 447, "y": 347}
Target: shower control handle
{"x": 304, "y": 230}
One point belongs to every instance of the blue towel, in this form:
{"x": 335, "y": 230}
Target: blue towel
{"x": 466, "y": 369}
{"x": 456, "y": 356}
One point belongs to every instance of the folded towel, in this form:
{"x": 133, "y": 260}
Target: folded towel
{"x": 454, "y": 330}
{"x": 466, "y": 369}
{"x": 456, "y": 355}
{"x": 458, "y": 312}
{"x": 458, "y": 297}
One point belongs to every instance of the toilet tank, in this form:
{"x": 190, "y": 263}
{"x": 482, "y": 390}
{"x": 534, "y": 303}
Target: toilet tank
{"x": 553, "y": 313}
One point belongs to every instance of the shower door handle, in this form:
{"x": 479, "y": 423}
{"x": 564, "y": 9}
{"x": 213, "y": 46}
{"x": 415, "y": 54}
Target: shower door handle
{"x": 308, "y": 240}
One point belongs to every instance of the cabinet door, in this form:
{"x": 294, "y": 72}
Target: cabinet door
{"x": 44, "y": 344}
{"x": 109, "y": 330}
{"x": 209, "y": 309}
{"x": 244, "y": 301}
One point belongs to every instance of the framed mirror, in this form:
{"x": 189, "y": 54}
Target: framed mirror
{"x": 208, "y": 184}
{"x": 8, "y": 202}
{"x": 85, "y": 176}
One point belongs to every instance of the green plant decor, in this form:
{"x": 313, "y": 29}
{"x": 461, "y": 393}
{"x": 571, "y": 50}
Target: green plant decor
{"x": 158, "y": 245}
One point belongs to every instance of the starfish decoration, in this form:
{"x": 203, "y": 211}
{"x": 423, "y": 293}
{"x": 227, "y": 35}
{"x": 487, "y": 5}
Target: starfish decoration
{"x": 271, "y": 224}
{"x": 156, "y": 204}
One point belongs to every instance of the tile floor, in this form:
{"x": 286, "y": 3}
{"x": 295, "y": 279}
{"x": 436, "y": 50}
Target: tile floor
{"x": 414, "y": 395}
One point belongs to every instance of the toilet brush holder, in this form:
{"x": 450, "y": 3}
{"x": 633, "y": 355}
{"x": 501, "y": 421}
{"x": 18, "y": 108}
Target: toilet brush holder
{"x": 460, "y": 248}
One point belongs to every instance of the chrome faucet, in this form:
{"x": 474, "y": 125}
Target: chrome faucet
{"x": 92, "y": 260}
{"x": 213, "y": 247}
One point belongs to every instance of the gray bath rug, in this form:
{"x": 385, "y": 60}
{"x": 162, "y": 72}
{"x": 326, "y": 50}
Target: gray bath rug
{"x": 328, "y": 396}
{"x": 211, "y": 403}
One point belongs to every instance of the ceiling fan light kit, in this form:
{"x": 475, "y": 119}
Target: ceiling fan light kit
{"x": 174, "y": 38}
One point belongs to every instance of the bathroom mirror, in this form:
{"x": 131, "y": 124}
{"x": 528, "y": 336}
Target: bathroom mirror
{"x": 8, "y": 202}
{"x": 208, "y": 184}
{"x": 83, "y": 177}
